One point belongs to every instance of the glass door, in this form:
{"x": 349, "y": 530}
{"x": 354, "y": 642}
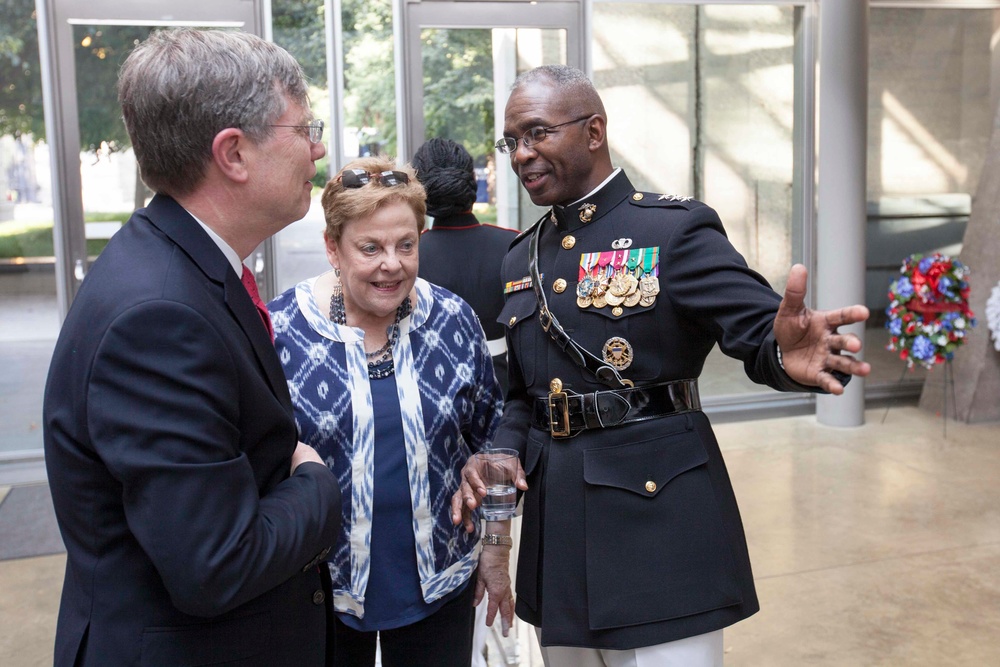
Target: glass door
{"x": 94, "y": 176}
{"x": 456, "y": 62}
{"x": 68, "y": 183}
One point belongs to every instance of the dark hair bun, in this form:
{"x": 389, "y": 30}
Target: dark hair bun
{"x": 446, "y": 171}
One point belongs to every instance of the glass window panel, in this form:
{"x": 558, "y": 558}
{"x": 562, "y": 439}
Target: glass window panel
{"x": 929, "y": 122}
{"x": 369, "y": 78}
{"x": 700, "y": 102}
{"x": 299, "y": 26}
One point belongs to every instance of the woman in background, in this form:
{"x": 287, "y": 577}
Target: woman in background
{"x": 459, "y": 252}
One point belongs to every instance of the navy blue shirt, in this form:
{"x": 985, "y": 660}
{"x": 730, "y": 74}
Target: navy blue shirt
{"x": 393, "y": 598}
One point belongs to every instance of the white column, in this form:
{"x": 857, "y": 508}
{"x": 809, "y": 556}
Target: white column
{"x": 842, "y": 180}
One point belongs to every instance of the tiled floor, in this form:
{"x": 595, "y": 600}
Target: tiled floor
{"x": 878, "y": 545}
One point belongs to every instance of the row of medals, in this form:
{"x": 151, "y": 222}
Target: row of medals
{"x": 623, "y": 288}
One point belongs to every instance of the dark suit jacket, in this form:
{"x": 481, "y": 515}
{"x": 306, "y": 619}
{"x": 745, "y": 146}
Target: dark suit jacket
{"x": 606, "y": 560}
{"x": 168, "y": 438}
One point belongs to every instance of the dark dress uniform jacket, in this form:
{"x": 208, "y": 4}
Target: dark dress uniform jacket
{"x": 608, "y": 560}
{"x": 168, "y": 439}
{"x": 464, "y": 256}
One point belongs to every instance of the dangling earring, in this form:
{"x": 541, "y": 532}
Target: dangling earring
{"x": 337, "y": 313}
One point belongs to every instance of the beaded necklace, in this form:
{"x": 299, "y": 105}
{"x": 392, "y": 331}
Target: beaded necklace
{"x": 380, "y": 362}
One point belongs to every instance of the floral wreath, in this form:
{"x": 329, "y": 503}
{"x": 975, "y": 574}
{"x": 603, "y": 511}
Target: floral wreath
{"x": 928, "y": 309}
{"x": 993, "y": 315}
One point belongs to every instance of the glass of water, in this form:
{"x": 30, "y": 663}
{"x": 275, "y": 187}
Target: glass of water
{"x": 498, "y": 467}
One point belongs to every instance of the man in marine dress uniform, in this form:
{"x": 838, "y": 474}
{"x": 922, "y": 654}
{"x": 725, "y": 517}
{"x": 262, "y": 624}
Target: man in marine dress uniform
{"x": 632, "y": 549}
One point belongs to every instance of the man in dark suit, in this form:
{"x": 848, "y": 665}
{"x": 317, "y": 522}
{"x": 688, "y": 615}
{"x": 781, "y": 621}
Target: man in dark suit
{"x": 193, "y": 518}
{"x": 632, "y": 548}
{"x": 458, "y": 252}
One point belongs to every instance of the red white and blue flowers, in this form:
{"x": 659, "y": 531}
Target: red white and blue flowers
{"x": 928, "y": 313}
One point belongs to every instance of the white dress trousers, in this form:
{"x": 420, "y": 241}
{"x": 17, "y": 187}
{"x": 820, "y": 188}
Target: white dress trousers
{"x": 699, "y": 651}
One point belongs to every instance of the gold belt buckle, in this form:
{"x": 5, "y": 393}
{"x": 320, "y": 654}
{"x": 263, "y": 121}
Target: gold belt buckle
{"x": 558, "y": 410}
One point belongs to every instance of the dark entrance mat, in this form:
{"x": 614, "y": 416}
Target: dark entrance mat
{"x": 28, "y": 523}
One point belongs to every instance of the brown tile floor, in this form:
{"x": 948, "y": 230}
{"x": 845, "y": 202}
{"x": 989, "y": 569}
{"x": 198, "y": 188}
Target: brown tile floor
{"x": 878, "y": 545}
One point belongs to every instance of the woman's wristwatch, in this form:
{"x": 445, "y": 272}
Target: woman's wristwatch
{"x": 498, "y": 540}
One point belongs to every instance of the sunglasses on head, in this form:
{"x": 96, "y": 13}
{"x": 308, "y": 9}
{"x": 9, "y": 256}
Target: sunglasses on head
{"x": 356, "y": 178}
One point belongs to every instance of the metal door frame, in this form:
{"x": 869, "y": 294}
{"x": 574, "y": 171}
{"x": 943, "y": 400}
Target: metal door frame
{"x": 414, "y": 15}
{"x": 56, "y": 19}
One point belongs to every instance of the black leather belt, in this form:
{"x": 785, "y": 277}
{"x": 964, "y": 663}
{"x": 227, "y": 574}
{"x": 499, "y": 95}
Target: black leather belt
{"x": 565, "y": 413}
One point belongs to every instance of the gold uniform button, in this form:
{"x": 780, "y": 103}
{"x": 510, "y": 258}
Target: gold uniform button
{"x": 637, "y": 196}
{"x": 617, "y": 311}
{"x": 650, "y": 486}
{"x": 559, "y": 286}
{"x": 568, "y": 242}
{"x": 555, "y": 385}
{"x": 512, "y": 320}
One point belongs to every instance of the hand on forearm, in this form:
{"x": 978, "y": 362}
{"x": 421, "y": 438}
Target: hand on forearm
{"x": 303, "y": 453}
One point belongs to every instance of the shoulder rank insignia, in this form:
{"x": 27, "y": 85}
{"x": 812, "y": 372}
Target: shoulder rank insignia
{"x": 652, "y": 200}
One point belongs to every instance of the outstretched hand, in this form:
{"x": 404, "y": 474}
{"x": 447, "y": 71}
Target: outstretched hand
{"x": 811, "y": 346}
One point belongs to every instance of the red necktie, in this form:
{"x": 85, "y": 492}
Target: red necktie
{"x": 251, "y": 286}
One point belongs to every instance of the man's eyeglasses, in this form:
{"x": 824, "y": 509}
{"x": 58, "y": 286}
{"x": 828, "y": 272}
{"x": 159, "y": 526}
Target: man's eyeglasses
{"x": 356, "y": 178}
{"x": 315, "y": 128}
{"x": 507, "y": 145}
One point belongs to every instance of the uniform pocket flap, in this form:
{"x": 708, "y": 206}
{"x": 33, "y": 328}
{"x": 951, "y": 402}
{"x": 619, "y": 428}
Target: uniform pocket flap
{"x": 519, "y": 306}
{"x": 612, "y": 313}
{"x": 645, "y": 467}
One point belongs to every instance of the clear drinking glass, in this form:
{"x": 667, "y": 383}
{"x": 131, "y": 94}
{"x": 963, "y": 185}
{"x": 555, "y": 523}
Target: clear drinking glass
{"x": 498, "y": 467}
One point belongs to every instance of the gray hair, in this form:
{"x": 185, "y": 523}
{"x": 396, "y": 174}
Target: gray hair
{"x": 563, "y": 76}
{"x": 569, "y": 80}
{"x": 179, "y": 88}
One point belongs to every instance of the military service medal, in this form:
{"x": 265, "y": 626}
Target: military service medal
{"x": 585, "y": 283}
{"x": 620, "y": 285}
{"x": 649, "y": 284}
{"x": 623, "y": 277}
{"x": 600, "y": 295}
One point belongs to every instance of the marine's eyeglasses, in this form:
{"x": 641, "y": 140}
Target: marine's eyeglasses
{"x": 356, "y": 178}
{"x": 507, "y": 145}
{"x": 315, "y": 129}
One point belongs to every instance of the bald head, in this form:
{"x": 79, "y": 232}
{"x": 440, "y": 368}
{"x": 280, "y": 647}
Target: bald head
{"x": 572, "y": 85}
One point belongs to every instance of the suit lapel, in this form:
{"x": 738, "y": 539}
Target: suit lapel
{"x": 171, "y": 218}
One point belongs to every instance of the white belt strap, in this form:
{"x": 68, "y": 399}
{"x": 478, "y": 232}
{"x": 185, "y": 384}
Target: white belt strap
{"x": 497, "y": 346}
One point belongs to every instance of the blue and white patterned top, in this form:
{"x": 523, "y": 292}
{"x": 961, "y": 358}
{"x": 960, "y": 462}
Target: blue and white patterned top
{"x": 450, "y": 404}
